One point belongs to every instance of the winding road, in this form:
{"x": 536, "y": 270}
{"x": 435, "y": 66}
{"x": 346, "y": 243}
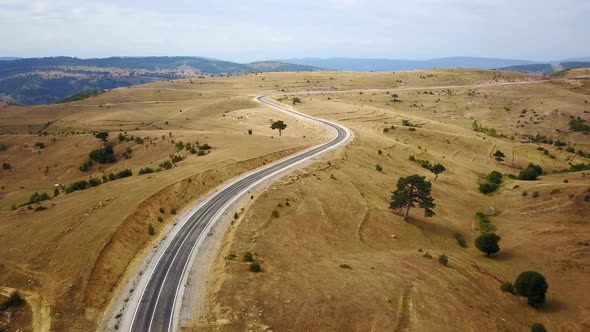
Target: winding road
{"x": 155, "y": 305}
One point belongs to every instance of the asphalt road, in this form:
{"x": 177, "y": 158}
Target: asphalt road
{"x": 159, "y": 303}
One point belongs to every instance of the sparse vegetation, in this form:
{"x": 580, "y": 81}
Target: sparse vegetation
{"x": 103, "y": 155}
{"x": 507, "y": 287}
{"x": 484, "y": 224}
{"x": 460, "y": 240}
{"x": 488, "y": 243}
{"x": 499, "y": 156}
{"x": 412, "y": 190}
{"x": 14, "y": 300}
{"x": 530, "y": 173}
{"x": 255, "y": 267}
{"x": 248, "y": 256}
{"x": 532, "y": 285}
{"x": 538, "y": 327}
{"x": 579, "y": 124}
{"x": 102, "y": 135}
{"x": 493, "y": 181}
{"x": 278, "y": 125}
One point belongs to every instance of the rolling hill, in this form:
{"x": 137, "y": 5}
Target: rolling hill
{"x": 47, "y": 80}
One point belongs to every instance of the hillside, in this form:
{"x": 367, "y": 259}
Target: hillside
{"x": 334, "y": 256}
{"x": 48, "y": 80}
{"x": 367, "y": 65}
{"x": 548, "y": 69}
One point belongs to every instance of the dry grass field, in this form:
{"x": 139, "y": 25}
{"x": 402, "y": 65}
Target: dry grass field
{"x": 69, "y": 260}
{"x": 337, "y": 259}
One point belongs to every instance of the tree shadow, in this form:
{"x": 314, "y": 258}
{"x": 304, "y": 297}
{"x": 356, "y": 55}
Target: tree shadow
{"x": 553, "y": 305}
{"x": 503, "y": 255}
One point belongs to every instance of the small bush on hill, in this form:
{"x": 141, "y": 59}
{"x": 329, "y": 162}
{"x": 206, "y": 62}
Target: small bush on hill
{"x": 255, "y": 267}
{"x": 507, "y": 287}
{"x": 532, "y": 285}
{"x": 530, "y": 173}
{"x": 104, "y": 155}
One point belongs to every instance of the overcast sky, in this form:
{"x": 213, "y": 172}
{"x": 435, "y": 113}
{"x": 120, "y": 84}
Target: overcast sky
{"x": 243, "y": 30}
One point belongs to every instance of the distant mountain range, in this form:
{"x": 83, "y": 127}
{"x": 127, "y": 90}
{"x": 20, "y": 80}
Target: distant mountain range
{"x": 29, "y": 81}
{"x": 48, "y": 80}
{"x": 365, "y": 65}
{"x": 548, "y": 68}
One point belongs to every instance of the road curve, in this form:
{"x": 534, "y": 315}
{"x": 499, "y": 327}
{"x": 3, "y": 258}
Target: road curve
{"x": 155, "y": 304}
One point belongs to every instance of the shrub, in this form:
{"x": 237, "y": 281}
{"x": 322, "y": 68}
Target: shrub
{"x": 538, "y": 327}
{"x": 40, "y": 145}
{"x": 121, "y": 137}
{"x": 255, "y": 267}
{"x": 495, "y": 177}
{"x": 36, "y": 198}
{"x": 249, "y": 131}
{"x": 201, "y": 153}
{"x": 380, "y": 152}
{"x": 443, "y": 259}
{"x": 147, "y": 170}
{"x": 345, "y": 266}
{"x": 6, "y": 166}
{"x": 530, "y": 173}
{"x": 533, "y": 286}
{"x": 488, "y": 188}
{"x": 488, "y": 243}
{"x": 379, "y": 168}
{"x": 248, "y": 256}
{"x": 14, "y": 300}
{"x": 507, "y": 287}
{"x": 123, "y": 174}
{"x": 40, "y": 208}
{"x": 94, "y": 182}
{"x": 275, "y": 214}
{"x": 79, "y": 185}
{"x": 535, "y": 194}
{"x": 139, "y": 140}
{"x": 104, "y": 155}
{"x": 151, "y": 230}
{"x": 160, "y": 219}
{"x": 173, "y": 211}
{"x": 460, "y": 240}
{"x": 236, "y": 215}
{"x": 86, "y": 166}
{"x": 205, "y": 147}
{"x": 296, "y": 100}
{"x": 162, "y": 210}
{"x": 427, "y": 255}
{"x": 484, "y": 224}
{"x": 524, "y": 194}
{"x": 166, "y": 165}
{"x": 102, "y": 135}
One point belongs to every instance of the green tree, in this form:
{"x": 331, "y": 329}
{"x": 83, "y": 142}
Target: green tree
{"x": 488, "y": 243}
{"x": 538, "y": 327}
{"x": 412, "y": 190}
{"x": 280, "y": 125}
{"x": 533, "y": 286}
{"x": 102, "y": 135}
{"x": 530, "y": 173}
{"x": 437, "y": 169}
{"x": 499, "y": 156}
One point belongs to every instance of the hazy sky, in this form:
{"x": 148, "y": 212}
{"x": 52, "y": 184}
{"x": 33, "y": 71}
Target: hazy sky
{"x": 243, "y": 30}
